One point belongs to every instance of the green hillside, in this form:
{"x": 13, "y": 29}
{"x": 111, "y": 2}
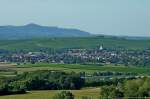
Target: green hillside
{"x": 80, "y": 42}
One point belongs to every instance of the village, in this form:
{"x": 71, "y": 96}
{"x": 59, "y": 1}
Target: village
{"x": 99, "y": 55}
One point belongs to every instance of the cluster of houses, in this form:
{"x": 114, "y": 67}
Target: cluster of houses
{"x": 25, "y": 57}
{"x": 97, "y": 55}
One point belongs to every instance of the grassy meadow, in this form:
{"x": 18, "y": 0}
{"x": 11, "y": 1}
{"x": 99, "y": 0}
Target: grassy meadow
{"x": 90, "y": 92}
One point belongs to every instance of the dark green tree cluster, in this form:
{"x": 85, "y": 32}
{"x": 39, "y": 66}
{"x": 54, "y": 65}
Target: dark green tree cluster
{"x": 42, "y": 80}
{"x": 5, "y": 89}
{"x": 131, "y": 89}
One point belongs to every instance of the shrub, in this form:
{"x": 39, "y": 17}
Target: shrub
{"x": 64, "y": 95}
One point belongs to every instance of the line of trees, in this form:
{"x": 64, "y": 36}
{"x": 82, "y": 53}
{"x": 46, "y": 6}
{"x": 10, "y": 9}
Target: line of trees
{"x": 41, "y": 80}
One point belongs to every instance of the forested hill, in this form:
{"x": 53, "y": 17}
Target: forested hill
{"x": 36, "y": 31}
{"x": 74, "y": 42}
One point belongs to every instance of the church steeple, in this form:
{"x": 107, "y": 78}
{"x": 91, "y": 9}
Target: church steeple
{"x": 101, "y": 47}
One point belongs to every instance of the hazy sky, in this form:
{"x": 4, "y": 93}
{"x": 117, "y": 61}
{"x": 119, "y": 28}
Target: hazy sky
{"x": 116, "y": 17}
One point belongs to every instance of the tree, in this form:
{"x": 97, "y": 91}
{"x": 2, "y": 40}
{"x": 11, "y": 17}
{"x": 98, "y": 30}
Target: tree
{"x": 131, "y": 88}
{"x": 64, "y": 95}
{"x": 110, "y": 92}
{"x": 3, "y": 89}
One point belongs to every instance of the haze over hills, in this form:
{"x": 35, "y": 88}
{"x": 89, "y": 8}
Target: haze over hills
{"x": 36, "y": 31}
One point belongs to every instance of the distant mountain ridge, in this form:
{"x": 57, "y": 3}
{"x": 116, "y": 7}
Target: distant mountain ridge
{"x": 30, "y": 31}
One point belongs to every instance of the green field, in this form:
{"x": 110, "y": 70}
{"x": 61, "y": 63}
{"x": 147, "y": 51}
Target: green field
{"x": 90, "y": 92}
{"x": 72, "y": 67}
{"x": 85, "y": 68}
{"x": 84, "y": 42}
